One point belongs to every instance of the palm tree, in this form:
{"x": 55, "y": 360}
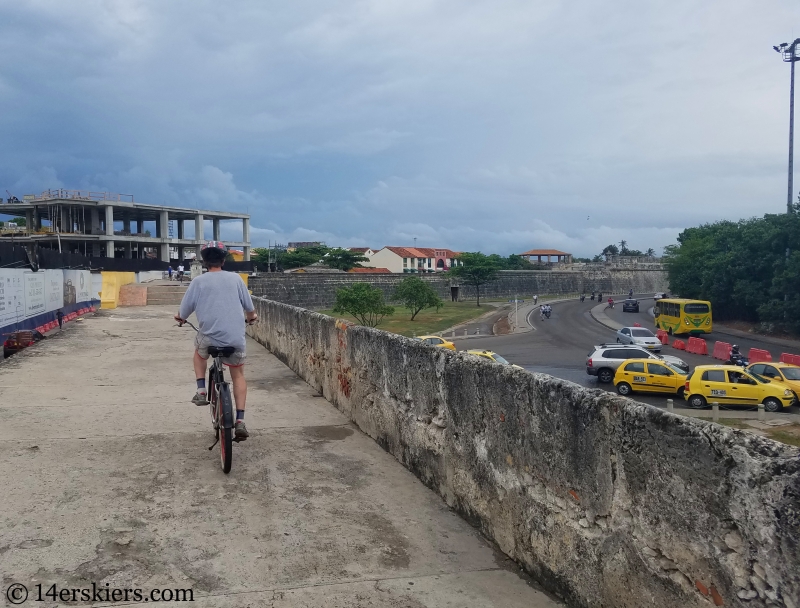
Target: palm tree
{"x": 650, "y": 252}
{"x": 623, "y": 247}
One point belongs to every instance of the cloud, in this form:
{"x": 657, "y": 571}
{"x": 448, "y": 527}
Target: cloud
{"x": 493, "y": 125}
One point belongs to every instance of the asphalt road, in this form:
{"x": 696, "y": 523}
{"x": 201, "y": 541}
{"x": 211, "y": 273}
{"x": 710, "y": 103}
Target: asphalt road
{"x": 559, "y": 345}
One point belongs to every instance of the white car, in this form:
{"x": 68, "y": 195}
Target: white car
{"x": 640, "y": 337}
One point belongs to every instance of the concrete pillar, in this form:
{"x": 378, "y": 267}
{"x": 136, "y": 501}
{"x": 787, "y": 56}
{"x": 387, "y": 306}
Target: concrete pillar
{"x": 110, "y": 224}
{"x": 215, "y": 224}
{"x": 180, "y": 252}
{"x": 126, "y": 225}
{"x": 110, "y": 247}
{"x": 164, "y": 252}
{"x": 128, "y": 250}
{"x": 180, "y": 229}
{"x": 29, "y": 219}
{"x": 246, "y": 251}
{"x": 198, "y": 233}
{"x": 63, "y": 220}
{"x": 246, "y": 230}
{"x": 139, "y": 226}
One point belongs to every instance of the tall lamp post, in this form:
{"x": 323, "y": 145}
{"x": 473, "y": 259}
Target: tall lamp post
{"x": 791, "y": 54}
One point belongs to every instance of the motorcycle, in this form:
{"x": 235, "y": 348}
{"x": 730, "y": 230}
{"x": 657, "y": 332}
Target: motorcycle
{"x": 738, "y": 359}
{"x": 547, "y": 313}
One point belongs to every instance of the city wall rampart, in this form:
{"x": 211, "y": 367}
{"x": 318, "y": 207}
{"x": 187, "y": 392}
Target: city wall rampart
{"x": 607, "y": 502}
{"x": 318, "y": 291}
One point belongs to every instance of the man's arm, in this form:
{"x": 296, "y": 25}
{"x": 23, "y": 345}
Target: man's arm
{"x": 250, "y": 313}
{"x": 188, "y": 303}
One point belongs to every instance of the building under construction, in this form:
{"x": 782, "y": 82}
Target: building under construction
{"x": 100, "y": 224}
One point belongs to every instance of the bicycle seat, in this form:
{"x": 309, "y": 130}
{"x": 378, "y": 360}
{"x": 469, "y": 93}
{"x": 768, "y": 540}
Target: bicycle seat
{"x": 221, "y": 351}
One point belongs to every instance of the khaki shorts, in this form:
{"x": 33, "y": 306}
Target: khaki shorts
{"x": 202, "y": 343}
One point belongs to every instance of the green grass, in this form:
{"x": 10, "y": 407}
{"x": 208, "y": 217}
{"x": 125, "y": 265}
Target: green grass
{"x": 789, "y": 435}
{"x": 428, "y": 321}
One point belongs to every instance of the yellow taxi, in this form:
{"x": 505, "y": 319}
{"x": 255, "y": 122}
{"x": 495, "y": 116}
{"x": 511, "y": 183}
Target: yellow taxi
{"x": 492, "y": 356}
{"x": 649, "y": 376}
{"x": 436, "y": 341}
{"x": 782, "y": 372}
{"x": 730, "y": 384}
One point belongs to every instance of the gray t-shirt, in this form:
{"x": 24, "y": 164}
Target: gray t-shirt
{"x": 219, "y": 300}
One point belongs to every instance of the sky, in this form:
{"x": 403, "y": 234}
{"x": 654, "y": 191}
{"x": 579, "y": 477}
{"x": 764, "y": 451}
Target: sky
{"x": 490, "y": 125}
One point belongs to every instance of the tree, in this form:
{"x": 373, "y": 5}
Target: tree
{"x": 416, "y": 295}
{"x": 302, "y": 256}
{"x": 623, "y": 247}
{"x": 650, "y": 252}
{"x": 20, "y": 221}
{"x": 363, "y": 302}
{"x": 609, "y": 250}
{"x": 475, "y": 269}
{"x": 344, "y": 259}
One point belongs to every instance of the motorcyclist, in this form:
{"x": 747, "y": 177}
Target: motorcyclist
{"x": 583, "y": 297}
{"x": 734, "y": 354}
{"x": 630, "y": 294}
{"x": 592, "y": 298}
{"x": 600, "y": 297}
{"x": 611, "y": 302}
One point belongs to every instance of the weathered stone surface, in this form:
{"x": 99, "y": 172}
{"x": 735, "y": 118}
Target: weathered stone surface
{"x": 606, "y": 501}
{"x": 317, "y": 291}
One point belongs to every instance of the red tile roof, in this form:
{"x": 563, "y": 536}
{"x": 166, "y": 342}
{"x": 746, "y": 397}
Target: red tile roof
{"x": 421, "y": 252}
{"x": 545, "y": 252}
{"x": 370, "y": 270}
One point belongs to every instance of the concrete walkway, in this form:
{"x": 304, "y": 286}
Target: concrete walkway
{"x": 107, "y": 479}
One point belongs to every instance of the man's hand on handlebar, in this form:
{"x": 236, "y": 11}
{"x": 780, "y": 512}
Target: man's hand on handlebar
{"x": 179, "y": 320}
{"x": 251, "y": 318}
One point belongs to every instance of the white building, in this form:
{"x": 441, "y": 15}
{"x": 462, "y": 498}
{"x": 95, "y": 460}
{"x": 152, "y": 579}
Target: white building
{"x": 412, "y": 259}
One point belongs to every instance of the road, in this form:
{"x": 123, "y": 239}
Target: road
{"x": 107, "y": 479}
{"x": 559, "y": 345}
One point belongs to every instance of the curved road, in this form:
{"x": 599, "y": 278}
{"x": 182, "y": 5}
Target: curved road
{"x": 559, "y": 345}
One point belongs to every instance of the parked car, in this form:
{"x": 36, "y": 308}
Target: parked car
{"x": 492, "y": 356}
{"x": 18, "y": 340}
{"x": 649, "y": 376}
{"x": 604, "y": 359}
{"x": 660, "y": 296}
{"x": 732, "y": 385}
{"x": 782, "y": 372}
{"x": 436, "y": 341}
{"x": 630, "y": 305}
{"x": 639, "y": 336}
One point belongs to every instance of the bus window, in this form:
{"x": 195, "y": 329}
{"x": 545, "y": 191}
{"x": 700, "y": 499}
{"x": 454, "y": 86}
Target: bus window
{"x": 696, "y": 308}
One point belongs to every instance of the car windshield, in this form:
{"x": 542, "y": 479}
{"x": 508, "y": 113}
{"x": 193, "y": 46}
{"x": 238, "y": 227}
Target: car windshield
{"x": 637, "y": 332}
{"x": 791, "y": 373}
{"x": 500, "y": 359}
{"x": 630, "y": 301}
{"x": 677, "y": 370}
{"x": 761, "y": 379}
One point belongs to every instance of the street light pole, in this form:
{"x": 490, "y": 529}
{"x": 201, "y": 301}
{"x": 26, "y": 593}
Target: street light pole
{"x": 790, "y": 54}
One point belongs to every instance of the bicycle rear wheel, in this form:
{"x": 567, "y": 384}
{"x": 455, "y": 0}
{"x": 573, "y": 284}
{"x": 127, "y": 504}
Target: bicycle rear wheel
{"x": 225, "y": 413}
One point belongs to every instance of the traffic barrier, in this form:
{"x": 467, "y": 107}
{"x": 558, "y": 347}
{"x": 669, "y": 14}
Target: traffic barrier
{"x": 92, "y": 309}
{"x": 758, "y": 355}
{"x": 721, "y": 350}
{"x": 637, "y": 325}
{"x": 790, "y": 359}
{"x": 679, "y": 345}
{"x": 697, "y": 346}
{"x": 662, "y": 336}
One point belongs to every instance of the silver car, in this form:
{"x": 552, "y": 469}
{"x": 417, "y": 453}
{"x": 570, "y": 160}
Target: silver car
{"x": 604, "y": 359}
{"x": 640, "y": 337}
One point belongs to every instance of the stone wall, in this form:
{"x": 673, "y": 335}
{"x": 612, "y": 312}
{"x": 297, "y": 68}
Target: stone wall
{"x": 605, "y": 501}
{"x": 318, "y": 291}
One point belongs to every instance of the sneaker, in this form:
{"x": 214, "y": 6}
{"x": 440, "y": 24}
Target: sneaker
{"x": 200, "y": 399}
{"x": 240, "y": 430}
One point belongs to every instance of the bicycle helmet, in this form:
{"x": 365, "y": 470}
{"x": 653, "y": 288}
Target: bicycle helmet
{"x": 213, "y": 251}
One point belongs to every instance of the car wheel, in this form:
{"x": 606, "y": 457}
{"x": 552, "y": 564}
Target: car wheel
{"x": 605, "y": 375}
{"x": 680, "y": 392}
{"x": 623, "y": 388}
{"x": 697, "y": 401}
{"x": 617, "y": 340}
{"x": 772, "y": 405}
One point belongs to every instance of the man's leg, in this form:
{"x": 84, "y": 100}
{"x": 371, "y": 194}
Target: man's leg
{"x": 200, "y": 373}
{"x": 240, "y": 397}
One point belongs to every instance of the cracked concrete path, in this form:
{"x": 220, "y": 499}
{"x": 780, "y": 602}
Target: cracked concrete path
{"x": 107, "y": 479}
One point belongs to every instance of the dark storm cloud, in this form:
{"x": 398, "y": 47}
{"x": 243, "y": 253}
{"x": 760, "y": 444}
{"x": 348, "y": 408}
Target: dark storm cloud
{"x": 499, "y": 125}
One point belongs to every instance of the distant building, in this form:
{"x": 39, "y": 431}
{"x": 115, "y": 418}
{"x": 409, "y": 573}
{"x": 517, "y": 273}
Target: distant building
{"x": 365, "y": 251}
{"x": 101, "y": 224}
{"x": 561, "y": 256}
{"x": 412, "y": 259}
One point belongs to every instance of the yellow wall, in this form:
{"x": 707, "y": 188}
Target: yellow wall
{"x": 244, "y": 276}
{"x": 112, "y": 281}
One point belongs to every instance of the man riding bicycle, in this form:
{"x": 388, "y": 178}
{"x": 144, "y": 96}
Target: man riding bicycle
{"x": 222, "y": 304}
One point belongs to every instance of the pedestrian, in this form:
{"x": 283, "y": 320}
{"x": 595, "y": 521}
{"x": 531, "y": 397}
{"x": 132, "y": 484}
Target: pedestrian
{"x": 60, "y": 317}
{"x": 180, "y": 272}
{"x": 535, "y": 300}
{"x": 169, "y": 271}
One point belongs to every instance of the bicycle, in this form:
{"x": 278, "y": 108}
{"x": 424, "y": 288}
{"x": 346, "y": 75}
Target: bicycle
{"x": 220, "y": 403}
